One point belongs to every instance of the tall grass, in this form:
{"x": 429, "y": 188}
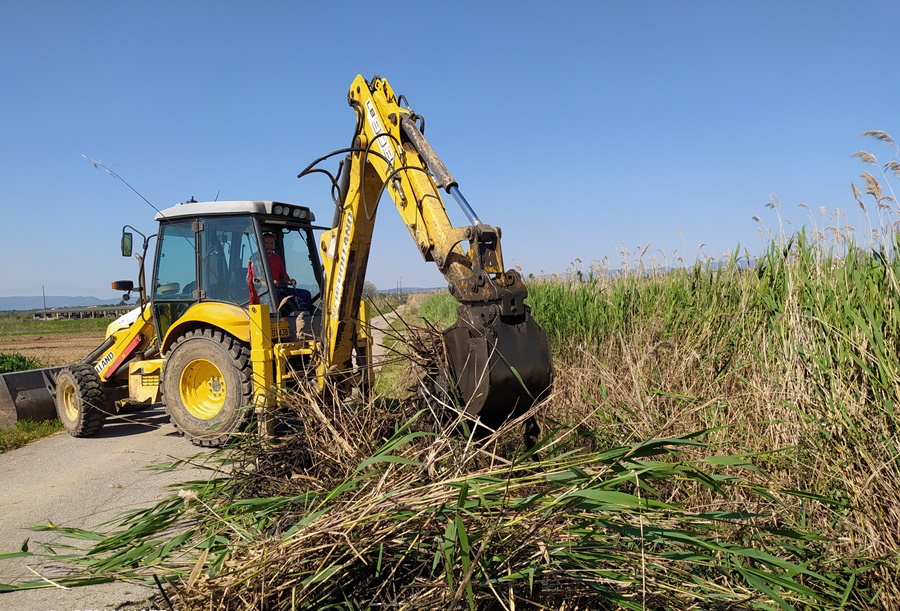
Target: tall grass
{"x": 791, "y": 357}
{"x": 794, "y": 361}
{"x": 438, "y": 308}
{"x": 383, "y": 302}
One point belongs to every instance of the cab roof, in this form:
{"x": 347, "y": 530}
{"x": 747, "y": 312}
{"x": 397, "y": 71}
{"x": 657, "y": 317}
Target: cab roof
{"x": 263, "y": 208}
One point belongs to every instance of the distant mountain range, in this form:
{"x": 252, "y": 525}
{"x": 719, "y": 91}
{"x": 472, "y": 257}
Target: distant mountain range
{"x": 52, "y": 301}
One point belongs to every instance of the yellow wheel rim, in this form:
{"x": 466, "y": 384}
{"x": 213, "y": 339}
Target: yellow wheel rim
{"x": 202, "y": 389}
{"x": 69, "y": 403}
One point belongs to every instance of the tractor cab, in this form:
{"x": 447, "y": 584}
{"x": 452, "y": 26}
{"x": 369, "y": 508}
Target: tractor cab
{"x": 214, "y": 252}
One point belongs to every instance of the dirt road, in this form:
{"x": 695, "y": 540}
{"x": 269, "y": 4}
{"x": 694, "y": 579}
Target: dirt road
{"x": 84, "y": 482}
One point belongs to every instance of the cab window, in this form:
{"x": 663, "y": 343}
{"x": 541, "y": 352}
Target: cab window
{"x": 299, "y": 261}
{"x": 176, "y": 271}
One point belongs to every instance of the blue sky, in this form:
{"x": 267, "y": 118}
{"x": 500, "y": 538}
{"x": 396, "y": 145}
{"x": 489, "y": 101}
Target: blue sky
{"x": 582, "y": 129}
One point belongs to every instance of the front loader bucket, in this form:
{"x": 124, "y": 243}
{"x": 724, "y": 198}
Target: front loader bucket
{"x": 25, "y": 395}
{"x": 501, "y": 364}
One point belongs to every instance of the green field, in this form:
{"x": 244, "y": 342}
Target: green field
{"x": 22, "y": 323}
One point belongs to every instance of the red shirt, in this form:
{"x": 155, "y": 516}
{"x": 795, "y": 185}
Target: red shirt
{"x": 279, "y": 273}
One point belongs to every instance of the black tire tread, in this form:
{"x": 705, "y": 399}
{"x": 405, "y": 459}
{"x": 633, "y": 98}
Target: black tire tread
{"x": 93, "y": 404}
{"x": 240, "y": 355}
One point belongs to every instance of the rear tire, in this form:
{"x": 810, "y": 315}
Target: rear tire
{"x": 80, "y": 401}
{"x": 208, "y": 386}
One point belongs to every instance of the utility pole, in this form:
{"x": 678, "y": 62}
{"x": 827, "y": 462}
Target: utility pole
{"x": 44, "y": 295}
{"x": 400, "y": 287}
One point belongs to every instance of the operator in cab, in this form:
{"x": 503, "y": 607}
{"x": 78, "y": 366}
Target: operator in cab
{"x": 284, "y": 284}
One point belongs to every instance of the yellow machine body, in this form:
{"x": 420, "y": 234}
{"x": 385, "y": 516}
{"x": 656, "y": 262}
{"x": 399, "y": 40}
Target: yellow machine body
{"x": 223, "y": 331}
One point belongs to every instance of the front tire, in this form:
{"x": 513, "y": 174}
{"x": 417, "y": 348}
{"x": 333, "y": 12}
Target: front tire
{"x": 208, "y": 386}
{"x": 80, "y": 401}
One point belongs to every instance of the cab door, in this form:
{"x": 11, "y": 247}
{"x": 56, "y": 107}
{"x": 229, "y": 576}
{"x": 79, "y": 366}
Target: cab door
{"x": 174, "y": 288}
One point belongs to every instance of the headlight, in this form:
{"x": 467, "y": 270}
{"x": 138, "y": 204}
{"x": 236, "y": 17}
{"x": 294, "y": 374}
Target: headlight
{"x": 277, "y": 210}
{"x": 298, "y": 213}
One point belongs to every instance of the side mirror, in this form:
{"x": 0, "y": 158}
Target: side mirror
{"x": 124, "y": 286}
{"x": 127, "y": 239}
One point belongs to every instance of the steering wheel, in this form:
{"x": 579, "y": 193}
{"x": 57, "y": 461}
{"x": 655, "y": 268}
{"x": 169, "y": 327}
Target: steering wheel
{"x": 168, "y": 288}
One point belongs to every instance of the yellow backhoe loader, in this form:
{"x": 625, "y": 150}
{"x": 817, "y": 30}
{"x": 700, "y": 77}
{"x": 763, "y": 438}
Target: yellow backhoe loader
{"x": 249, "y": 299}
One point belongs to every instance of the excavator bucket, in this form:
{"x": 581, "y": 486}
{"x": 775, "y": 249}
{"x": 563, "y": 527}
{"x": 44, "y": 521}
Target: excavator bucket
{"x": 501, "y": 365}
{"x": 25, "y": 395}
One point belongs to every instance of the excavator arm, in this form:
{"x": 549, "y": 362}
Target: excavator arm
{"x": 500, "y": 358}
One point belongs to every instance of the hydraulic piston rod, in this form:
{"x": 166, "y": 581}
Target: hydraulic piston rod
{"x": 464, "y": 205}
{"x": 442, "y": 176}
